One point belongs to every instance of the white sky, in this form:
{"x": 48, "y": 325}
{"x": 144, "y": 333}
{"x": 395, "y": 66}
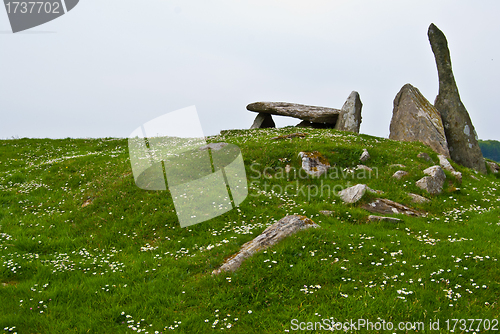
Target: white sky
{"x": 109, "y": 66}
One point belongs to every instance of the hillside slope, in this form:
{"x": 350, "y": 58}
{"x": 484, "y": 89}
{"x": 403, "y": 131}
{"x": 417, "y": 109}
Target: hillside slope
{"x": 84, "y": 250}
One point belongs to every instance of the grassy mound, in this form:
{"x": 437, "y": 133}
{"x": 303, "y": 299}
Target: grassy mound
{"x": 84, "y": 250}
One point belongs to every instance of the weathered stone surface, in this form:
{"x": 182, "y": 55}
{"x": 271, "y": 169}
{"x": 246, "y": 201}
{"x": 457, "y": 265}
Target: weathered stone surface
{"x": 271, "y": 235}
{"x": 307, "y": 113}
{"x": 433, "y": 183}
{"x": 384, "y": 219}
{"x": 445, "y": 164}
{"x": 493, "y": 167}
{"x": 314, "y": 163}
{"x": 415, "y": 119}
{"x": 350, "y": 114}
{"x": 307, "y": 124}
{"x": 385, "y": 206}
{"x": 263, "y": 121}
{"x": 460, "y": 134}
{"x": 418, "y": 199}
{"x": 399, "y": 174}
{"x": 354, "y": 194}
{"x": 364, "y": 156}
{"x": 425, "y": 156}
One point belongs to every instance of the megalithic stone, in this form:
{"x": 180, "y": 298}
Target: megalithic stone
{"x": 460, "y": 133}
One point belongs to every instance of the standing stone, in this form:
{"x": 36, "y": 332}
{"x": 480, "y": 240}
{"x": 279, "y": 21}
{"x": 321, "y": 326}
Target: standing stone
{"x": 414, "y": 118}
{"x": 460, "y": 134}
{"x": 263, "y": 121}
{"x": 350, "y": 114}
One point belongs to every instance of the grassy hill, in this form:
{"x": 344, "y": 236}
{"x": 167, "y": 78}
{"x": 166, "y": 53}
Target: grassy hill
{"x": 490, "y": 149}
{"x": 83, "y": 250}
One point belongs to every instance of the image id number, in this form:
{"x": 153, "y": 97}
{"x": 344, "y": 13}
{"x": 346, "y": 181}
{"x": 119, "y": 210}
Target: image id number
{"x": 33, "y": 7}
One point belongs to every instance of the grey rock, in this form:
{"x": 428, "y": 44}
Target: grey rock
{"x": 445, "y": 164}
{"x": 460, "y": 133}
{"x": 364, "y": 156}
{"x": 353, "y": 194}
{"x": 314, "y": 163}
{"x": 384, "y": 219}
{"x": 263, "y": 121}
{"x": 307, "y": 113}
{"x": 493, "y": 167}
{"x": 415, "y": 119}
{"x": 385, "y": 206}
{"x": 474, "y": 177}
{"x": 271, "y": 235}
{"x": 350, "y": 114}
{"x": 418, "y": 199}
{"x": 433, "y": 183}
{"x": 399, "y": 174}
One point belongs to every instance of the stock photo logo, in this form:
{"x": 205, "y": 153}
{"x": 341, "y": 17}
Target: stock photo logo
{"x": 25, "y": 15}
{"x": 205, "y": 180}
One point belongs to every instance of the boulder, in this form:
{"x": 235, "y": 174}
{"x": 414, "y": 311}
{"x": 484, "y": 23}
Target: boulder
{"x": 493, "y": 167}
{"x": 418, "y": 199}
{"x": 263, "y": 121}
{"x": 433, "y": 183}
{"x": 385, "y": 206}
{"x": 399, "y": 174}
{"x": 350, "y": 114}
{"x": 314, "y": 163}
{"x": 384, "y": 219}
{"x": 306, "y": 113}
{"x": 364, "y": 156}
{"x": 415, "y": 119}
{"x": 271, "y": 235}
{"x": 460, "y": 134}
{"x": 353, "y": 194}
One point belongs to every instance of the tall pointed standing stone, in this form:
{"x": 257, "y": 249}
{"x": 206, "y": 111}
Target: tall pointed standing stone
{"x": 350, "y": 114}
{"x": 415, "y": 119}
{"x": 460, "y": 134}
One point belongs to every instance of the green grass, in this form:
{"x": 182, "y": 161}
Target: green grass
{"x": 83, "y": 250}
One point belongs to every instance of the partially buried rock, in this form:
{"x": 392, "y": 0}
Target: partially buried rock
{"x": 213, "y": 146}
{"x": 364, "y": 156}
{"x": 353, "y": 194}
{"x": 327, "y": 213}
{"x": 399, "y": 174}
{"x": 384, "y": 219}
{"x": 350, "y": 114}
{"x": 433, "y": 183}
{"x": 460, "y": 134}
{"x": 418, "y": 199}
{"x": 493, "y": 167}
{"x": 314, "y": 163}
{"x": 263, "y": 121}
{"x": 385, "y": 206}
{"x": 271, "y": 235}
{"x": 445, "y": 164}
{"x": 415, "y": 119}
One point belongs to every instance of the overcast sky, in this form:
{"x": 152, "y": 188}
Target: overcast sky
{"x": 108, "y": 66}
